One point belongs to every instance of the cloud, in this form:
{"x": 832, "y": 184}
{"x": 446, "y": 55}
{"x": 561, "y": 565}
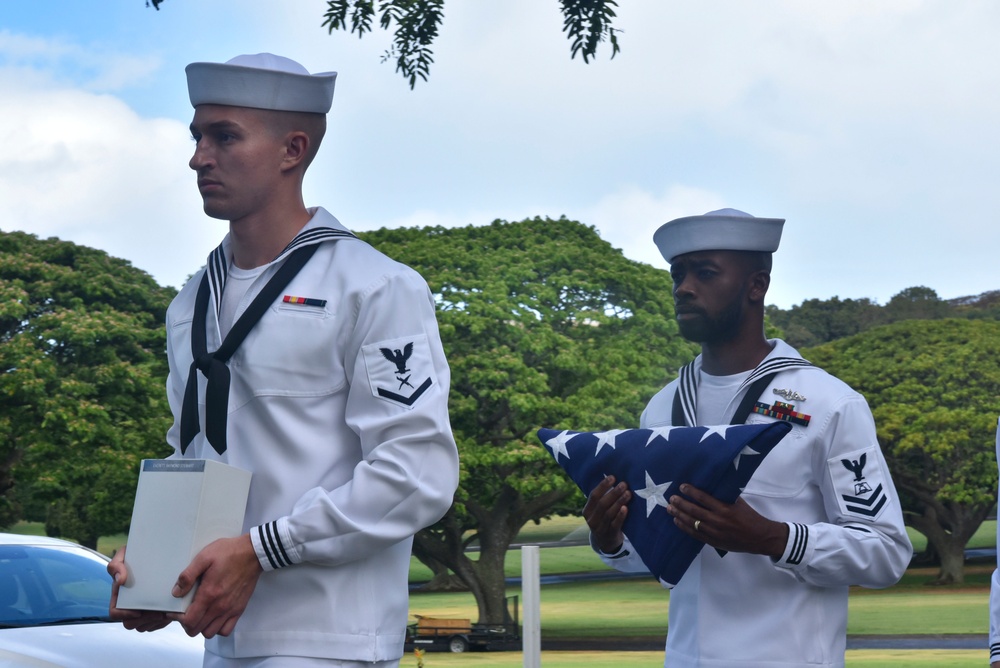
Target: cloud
{"x": 86, "y": 168}
{"x": 46, "y": 61}
{"x": 869, "y": 126}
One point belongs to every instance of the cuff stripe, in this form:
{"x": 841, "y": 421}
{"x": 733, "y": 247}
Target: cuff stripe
{"x": 274, "y": 542}
{"x": 263, "y": 543}
{"x": 799, "y": 541}
{"x": 271, "y": 542}
{"x": 281, "y": 548}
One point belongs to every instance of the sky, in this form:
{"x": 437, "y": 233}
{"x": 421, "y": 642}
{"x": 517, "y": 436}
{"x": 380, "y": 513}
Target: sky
{"x": 871, "y": 127}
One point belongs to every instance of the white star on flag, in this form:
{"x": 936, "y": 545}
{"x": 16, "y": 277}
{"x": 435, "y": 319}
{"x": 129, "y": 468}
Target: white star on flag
{"x": 607, "y": 438}
{"x": 654, "y": 494}
{"x": 747, "y": 450}
{"x": 558, "y": 444}
{"x": 660, "y": 431}
{"x": 719, "y": 429}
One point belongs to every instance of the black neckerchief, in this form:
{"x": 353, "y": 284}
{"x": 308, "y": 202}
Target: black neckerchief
{"x": 214, "y": 365}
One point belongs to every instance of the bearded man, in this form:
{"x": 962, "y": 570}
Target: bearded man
{"x": 820, "y": 514}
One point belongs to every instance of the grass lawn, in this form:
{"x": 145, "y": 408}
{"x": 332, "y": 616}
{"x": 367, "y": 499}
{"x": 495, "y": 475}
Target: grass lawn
{"x": 855, "y": 659}
{"x": 568, "y": 609}
{"x": 549, "y": 660}
{"x": 962, "y": 658}
{"x": 906, "y": 608}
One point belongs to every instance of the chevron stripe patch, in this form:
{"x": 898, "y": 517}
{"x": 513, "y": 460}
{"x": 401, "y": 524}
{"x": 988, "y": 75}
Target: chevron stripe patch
{"x": 859, "y": 480}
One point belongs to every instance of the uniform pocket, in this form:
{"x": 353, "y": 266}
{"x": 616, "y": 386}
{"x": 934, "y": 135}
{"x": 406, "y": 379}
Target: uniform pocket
{"x": 786, "y": 470}
{"x": 291, "y": 351}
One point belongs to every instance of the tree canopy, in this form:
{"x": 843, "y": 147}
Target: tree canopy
{"x": 934, "y": 389}
{"x": 544, "y": 325}
{"x": 916, "y": 303}
{"x": 415, "y": 25}
{"x": 817, "y": 321}
{"x": 82, "y": 366}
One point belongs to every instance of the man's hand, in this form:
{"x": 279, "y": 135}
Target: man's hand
{"x": 226, "y": 572}
{"x": 136, "y": 620}
{"x": 732, "y": 527}
{"x": 605, "y": 513}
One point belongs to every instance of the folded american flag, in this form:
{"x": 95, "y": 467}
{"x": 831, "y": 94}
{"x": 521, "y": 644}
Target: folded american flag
{"x": 719, "y": 460}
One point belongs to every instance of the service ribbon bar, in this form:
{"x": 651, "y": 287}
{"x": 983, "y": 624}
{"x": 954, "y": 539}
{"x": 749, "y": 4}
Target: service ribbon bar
{"x": 782, "y": 411}
{"x": 305, "y": 301}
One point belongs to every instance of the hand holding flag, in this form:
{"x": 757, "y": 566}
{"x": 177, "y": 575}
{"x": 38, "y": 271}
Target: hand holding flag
{"x": 719, "y": 460}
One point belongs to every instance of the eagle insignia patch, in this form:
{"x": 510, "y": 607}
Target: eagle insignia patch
{"x": 400, "y": 370}
{"x": 859, "y": 481}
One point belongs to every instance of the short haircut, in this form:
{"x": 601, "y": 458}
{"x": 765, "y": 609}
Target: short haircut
{"x": 314, "y": 125}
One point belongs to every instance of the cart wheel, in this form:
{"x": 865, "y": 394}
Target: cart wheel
{"x": 458, "y": 644}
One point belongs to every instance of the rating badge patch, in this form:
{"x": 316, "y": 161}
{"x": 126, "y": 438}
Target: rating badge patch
{"x": 859, "y": 481}
{"x": 400, "y": 370}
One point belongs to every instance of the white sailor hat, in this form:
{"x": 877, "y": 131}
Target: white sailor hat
{"x": 261, "y": 81}
{"x": 725, "y": 229}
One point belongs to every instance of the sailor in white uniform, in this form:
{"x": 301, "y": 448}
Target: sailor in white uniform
{"x": 819, "y": 515}
{"x": 305, "y": 356}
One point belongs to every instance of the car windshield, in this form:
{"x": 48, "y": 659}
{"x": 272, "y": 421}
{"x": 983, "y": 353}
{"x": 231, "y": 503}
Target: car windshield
{"x": 43, "y": 585}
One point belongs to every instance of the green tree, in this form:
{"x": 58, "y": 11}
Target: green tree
{"x": 544, "y": 325}
{"x": 985, "y": 305}
{"x": 916, "y": 303}
{"x": 82, "y": 369}
{"x": 415, "y": 25}
{"x": 817, "y": 321}
{"x": 934, "y": 389}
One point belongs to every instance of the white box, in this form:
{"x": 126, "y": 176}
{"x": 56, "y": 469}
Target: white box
{"x": 181, "y": 505}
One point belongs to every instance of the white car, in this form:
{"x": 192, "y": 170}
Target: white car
{"x": 54, "y": 598}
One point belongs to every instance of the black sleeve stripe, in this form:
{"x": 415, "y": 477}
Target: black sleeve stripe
{"x": 274, "y": 543}
{"x": 270, "y": 541}
{"x": 800, "y": 539}
{"x": 263, "y": 542}
{"x": 281, "y": 548}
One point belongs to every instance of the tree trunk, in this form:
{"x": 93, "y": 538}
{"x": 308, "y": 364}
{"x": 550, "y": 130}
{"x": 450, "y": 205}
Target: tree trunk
{"x": 948, "y": 528}
{"x": 929, "y": 557}
{"x": 952, "y": 565}
{"x": 492, "y": 601}
{"x": 496, "y": 527}
{"x": 10, "y": 510}
{"x": 439, "y": 571}
{"x": 441, "y": 578}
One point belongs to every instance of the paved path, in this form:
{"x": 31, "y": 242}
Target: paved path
{"x": 971, "y": 641}
{"x": 957, "y": 641}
